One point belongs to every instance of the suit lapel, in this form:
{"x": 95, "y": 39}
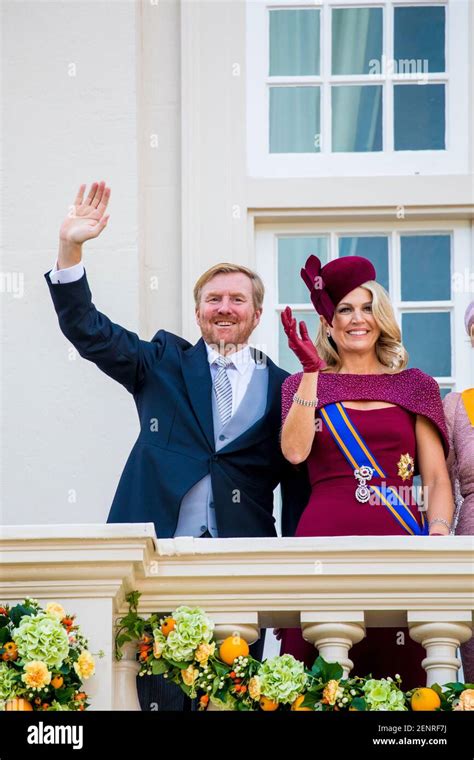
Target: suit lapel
{"x": 197, "y": 377}
{"x": 271, "y": 416}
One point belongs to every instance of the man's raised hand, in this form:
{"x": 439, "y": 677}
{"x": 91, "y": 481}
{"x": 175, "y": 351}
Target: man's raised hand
{"x": 86, "y": 218}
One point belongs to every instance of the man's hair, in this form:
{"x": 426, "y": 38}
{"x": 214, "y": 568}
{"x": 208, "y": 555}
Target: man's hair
{"x": 258, "y": 287}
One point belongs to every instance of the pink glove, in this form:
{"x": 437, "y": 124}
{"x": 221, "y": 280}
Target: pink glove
{"x": 303, "y": 346}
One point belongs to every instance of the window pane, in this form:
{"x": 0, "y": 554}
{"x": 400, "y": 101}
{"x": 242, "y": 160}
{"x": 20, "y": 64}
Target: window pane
{"x": 356, "y": 39}
{"x": 292, "y": 254}
{"x": 419, "y": 113}
{"x": 294, "y": 42}
{"x": 356, "y": 118}
{"x": 286, "y": 358}
{"x": 426, "y": 267}
{"x": 427, "y": 338}
{"x": 373, "y": 248}
{"x": 294, "y": 119}
{"x": 419, "y": 39}
{"x": 444, "y": 391}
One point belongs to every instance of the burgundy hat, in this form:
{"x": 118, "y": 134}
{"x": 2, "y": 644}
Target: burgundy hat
{"x": 329, "y": 284}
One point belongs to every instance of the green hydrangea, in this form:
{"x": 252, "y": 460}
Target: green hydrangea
{"x": 227, "y": 704}
{"x": 282, "y": 678}
{"x": 8, "y": 682}
{"x": 192, "y": 628}
{"x": 42, "y": 637}
{"x": 383, "y": 695}
{"x": 56, "y": 706}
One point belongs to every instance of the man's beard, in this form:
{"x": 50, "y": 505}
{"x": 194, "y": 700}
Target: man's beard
{"x": 225, "y": 345}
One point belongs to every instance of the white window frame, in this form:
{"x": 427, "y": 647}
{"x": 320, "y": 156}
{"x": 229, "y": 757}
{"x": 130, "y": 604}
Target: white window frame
{"x": 452, "y": 160}
{"x": 462, "y": 261}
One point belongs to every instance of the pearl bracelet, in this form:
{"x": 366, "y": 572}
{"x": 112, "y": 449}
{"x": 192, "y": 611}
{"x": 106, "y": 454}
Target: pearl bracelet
{"x": 303, "y": 401}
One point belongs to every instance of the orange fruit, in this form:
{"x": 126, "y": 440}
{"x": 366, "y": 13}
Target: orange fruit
{"x": 168, "y": 625}
{"x": 57, "y": 682}
{"x": 18, "y": 704}
{"x": 425, "y": 699}
{"x": 296, "y": 704}
{"x": 232, "y": 647}
{"x": 268, "y": 705}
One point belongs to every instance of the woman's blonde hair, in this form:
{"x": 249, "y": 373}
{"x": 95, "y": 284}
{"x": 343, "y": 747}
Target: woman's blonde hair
{"x": 389, "y": 347}
{"x": 258, "y": 288}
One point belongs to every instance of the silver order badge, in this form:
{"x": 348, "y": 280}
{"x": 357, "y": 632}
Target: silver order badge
{"x": 363, "y": 474}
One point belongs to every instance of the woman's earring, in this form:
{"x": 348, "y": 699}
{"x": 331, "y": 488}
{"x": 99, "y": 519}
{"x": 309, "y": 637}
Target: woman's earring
{"x": 328, "y": 334}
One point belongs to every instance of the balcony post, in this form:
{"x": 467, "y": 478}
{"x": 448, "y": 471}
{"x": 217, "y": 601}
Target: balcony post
{"x": 440, "y": 633}
{"x": 333, "y": 634}
{"x": 125, "y": 679}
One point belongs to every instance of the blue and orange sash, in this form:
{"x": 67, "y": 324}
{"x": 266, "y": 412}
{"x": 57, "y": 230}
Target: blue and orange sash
{"x": 359, "y": 457}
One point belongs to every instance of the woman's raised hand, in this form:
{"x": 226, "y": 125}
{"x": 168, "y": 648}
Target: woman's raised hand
{"x": 86, "y": 218}
{"x": 301, "y": 345}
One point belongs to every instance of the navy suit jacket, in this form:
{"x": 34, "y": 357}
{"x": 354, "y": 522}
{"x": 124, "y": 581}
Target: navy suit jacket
{"x": 171, "y": 383}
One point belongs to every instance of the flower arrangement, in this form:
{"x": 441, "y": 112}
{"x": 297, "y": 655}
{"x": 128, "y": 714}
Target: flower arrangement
{"x": 44, "y": 658}
{"x": 181, "y": 648}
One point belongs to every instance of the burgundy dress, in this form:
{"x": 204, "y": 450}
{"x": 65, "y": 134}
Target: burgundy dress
{"x": 334, "y": 511}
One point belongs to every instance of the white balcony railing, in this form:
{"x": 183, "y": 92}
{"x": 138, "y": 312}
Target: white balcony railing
{"x": 333, "y": 587}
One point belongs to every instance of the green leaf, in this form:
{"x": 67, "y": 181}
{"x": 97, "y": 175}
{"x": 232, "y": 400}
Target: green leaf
{"x": 19, "y": 611}
{"x": 132, "y": 599}
{"x": 158, "y": 667}
{"x": 359, "y": 703}
{"x": 327, "y": 671}
{"x": 455, "y": 686}
{"x": 310, "y": 700}
{"x": 179, "y": 665}
{"x": 221, "y": 668}
{"x": 64, "y": 695}
{"x": 5, "y": 635}
{"x": 123, "y": 638}
{"x": 4, "y": 620}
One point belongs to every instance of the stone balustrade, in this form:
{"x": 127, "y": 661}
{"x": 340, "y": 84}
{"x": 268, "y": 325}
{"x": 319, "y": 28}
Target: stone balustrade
{"x": 333, "y": 587}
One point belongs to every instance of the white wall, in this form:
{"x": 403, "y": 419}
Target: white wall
{"x": 66, "y": 427}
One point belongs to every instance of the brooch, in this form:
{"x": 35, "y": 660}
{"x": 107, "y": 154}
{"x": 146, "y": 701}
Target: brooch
{"x": 363, "y": 474}
{"x": 406, "y": 466}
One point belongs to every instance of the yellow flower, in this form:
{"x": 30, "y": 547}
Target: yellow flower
{"x": 204, "y": 651}
{"x": 466, "y": 700}
{"x": 11, "y": 651}
{"x": 329, "y": 692}
{"x": 254, "y": 687}
{"x": 53, "y": 608}
{"x": 189, "y": 675}
{"x": 85, "y": 666}
{"x": 158, "y": 647}
{"x": 36, "y": 675}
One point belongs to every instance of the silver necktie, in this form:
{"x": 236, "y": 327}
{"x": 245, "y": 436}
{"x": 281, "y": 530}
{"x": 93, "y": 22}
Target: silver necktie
{"x": 223, "y": 389}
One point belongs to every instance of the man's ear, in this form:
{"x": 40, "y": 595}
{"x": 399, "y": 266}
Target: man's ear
{"x": 258, "y": 315}
{"x": 196, "y": 314}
